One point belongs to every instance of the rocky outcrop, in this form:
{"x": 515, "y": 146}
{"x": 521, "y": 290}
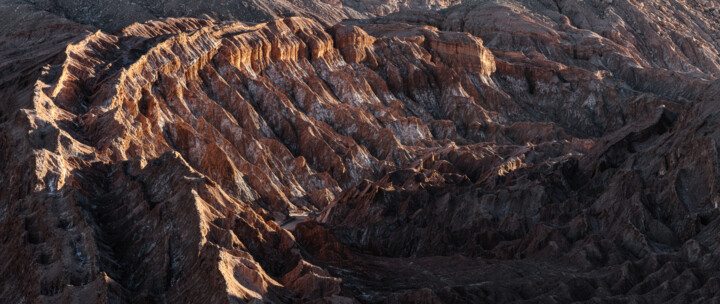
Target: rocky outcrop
{"x": 202, "y": 137}
{"x": 514, "y": 152}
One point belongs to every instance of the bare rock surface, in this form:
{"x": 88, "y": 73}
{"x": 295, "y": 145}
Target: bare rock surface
{"x": 495, "y": 151}
{"x": 114, "y": 15}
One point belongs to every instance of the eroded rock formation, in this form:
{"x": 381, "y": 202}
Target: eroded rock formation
{"x": 524, "y": 151}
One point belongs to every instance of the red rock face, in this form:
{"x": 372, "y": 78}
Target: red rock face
{"x": 485, "y": 153}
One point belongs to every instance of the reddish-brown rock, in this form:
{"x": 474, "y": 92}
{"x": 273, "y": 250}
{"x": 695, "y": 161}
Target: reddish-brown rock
{"x": 514, "y": 151}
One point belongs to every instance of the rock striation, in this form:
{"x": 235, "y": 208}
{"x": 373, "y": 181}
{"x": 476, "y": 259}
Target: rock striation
{"x": 495, "y": 151}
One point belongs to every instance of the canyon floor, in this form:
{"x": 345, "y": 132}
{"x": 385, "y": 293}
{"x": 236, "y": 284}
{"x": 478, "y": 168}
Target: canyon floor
{"x": 359, "y": 151}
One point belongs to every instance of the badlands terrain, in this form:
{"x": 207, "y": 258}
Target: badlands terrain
{"x": 359, "y": 151}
